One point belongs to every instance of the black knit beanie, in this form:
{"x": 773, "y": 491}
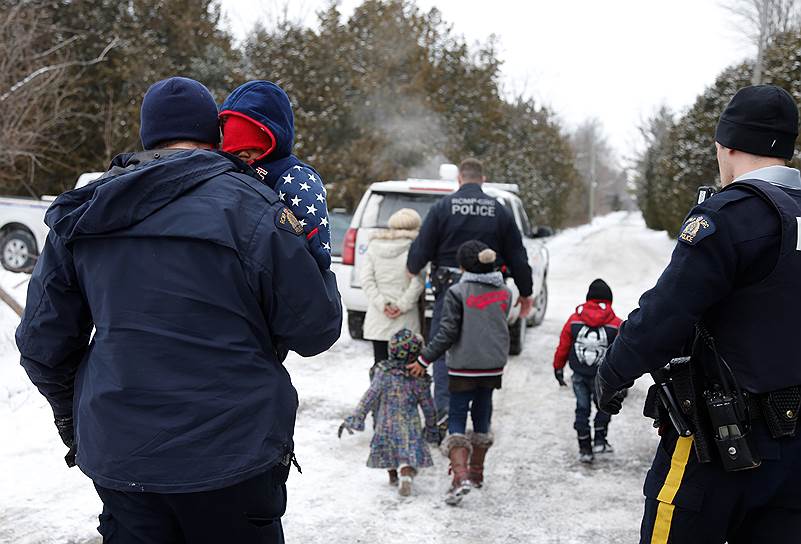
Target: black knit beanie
{"x": 760, "y": 120}
{"x": 178, "y": 108}
{"x": 599, "y": 290}
{"x": 476, "y": 257}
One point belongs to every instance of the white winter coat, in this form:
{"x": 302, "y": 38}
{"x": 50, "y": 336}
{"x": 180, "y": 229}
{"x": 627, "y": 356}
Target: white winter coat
{"x": 384, "y": 280}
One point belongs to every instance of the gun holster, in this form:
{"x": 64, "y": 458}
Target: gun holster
{"x": 675, "y": 398}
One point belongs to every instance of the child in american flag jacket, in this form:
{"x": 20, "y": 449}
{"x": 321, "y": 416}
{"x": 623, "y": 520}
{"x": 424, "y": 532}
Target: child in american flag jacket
{"x": 259, "y": 127}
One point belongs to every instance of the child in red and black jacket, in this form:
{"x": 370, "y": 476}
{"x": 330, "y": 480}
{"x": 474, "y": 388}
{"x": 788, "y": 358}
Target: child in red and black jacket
{"x": 585, "y": 338}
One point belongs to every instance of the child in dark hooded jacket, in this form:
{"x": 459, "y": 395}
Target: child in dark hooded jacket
{"x": 259, "y": 127}
{"x": 585, "y": 339}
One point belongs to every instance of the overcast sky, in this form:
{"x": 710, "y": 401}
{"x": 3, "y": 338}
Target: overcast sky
{"x": 617, "y": 60}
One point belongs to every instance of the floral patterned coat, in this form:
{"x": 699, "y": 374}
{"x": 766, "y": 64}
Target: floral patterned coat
{"x": 394, "y": 397}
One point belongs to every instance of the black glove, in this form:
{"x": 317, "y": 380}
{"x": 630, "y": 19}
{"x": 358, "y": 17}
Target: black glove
{"x": 66, "y": 430}
{"x": 559, "y": 374}
{"x": 608, "y": 400}
{"x": 344, "y": 427}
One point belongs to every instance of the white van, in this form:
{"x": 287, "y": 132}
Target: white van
{"x": 383, "y": 199}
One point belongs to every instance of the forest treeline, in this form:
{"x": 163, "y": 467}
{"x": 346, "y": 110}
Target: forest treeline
{"x": 388, "y": 92}
{"x": 680, "y": 149}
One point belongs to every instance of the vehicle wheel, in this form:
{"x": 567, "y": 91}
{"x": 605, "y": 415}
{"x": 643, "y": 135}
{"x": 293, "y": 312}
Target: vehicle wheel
{"x": 356, "y": 325}
{"x": 540, "y": 306}
{"x": 19, "y": 251}
{"x": 517, "y": 337}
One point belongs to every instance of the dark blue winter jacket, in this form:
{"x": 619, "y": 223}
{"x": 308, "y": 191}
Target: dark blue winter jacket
{"x": 197, "y": 284}
{"x": 470, "y": 214}
{"x": 297, "y": 184}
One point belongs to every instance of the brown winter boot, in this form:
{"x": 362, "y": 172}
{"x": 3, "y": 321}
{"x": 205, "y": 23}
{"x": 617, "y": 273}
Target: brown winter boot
{"x": 406, "y": 477}
{"x": 481, "y": 443}
{"x": 458, "y": 448}
{"x": 393, "y": 477}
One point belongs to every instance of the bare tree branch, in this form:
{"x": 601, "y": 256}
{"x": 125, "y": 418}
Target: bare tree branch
{"x": 761, "y": 20}
{"x": 45, "y": 69}
{"x": 57, "y": 47}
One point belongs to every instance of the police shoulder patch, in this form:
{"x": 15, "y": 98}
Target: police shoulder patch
{"x": 287, "y": 221}
{"x": 697, "y": 227}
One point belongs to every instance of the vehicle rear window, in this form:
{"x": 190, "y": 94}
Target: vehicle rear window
{"x": 381, "y": 206}
{"x": 339, "y": 223}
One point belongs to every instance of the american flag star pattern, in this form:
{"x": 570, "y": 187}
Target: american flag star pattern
{"x": 302, "y": 192}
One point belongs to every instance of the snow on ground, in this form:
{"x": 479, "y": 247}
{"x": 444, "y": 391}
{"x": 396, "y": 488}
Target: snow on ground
{"x": 536, "y": 491}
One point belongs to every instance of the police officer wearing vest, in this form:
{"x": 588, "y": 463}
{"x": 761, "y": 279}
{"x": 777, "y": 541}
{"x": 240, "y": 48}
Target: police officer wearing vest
{"x": 735, "y": 279}
{"x": 467, "y": 214}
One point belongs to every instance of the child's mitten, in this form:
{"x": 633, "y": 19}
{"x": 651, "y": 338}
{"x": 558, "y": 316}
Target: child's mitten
{"x": 344, "y": 427}
{"x": 559, "y": 374}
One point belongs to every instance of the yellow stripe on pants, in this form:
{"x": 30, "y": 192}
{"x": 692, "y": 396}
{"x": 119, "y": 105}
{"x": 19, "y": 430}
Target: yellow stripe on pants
{"x": 664, "y": 512}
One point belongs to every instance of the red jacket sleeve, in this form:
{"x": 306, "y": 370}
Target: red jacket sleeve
{"x": 616, "y": 322}
{"x": 565, "y": 344}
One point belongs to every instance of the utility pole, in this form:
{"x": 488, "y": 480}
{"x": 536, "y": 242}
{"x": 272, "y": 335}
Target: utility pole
{"x": 592, "y": 178}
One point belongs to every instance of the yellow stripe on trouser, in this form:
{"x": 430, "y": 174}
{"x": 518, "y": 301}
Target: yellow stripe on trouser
{"x": 664, "y": 512}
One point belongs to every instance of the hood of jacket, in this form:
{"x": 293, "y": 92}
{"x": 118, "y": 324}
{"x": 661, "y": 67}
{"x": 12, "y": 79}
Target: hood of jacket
{"x": 596, "y": 313}
{"x": 495, "y": 279}
{"x": 397, "y": 367}
{"x": 391, "y": 243}
{"x": 384, "y": 248}
{"x": 136, "y": 186}
{"x": 268, "y": 105}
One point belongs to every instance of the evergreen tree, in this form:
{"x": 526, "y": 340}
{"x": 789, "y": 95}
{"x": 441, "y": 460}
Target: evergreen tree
{"x": 156, "y": 39}
{"x": 685, "y": 159}
{"x": 655, "y": 133}
{"x": 391, "y": 92}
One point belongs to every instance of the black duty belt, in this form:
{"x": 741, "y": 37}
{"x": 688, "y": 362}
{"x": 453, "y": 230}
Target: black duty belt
{"x": 778, "y": 409}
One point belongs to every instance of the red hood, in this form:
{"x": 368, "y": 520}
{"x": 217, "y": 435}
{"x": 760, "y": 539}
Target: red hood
{"x": 596, "y": 313}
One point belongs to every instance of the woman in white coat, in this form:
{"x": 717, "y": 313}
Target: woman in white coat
{"x": 392, "y": 296}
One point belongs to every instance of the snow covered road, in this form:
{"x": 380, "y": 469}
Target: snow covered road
{"x": 536, "y": 491}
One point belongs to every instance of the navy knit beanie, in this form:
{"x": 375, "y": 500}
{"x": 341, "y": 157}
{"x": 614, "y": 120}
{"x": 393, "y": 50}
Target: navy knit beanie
{"x": 760, "y": 120}
{"x": 599, "y": 290}
{"x": 178, "y": 108}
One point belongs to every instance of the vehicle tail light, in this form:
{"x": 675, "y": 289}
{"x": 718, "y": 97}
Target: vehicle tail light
{"x": 349, "y": 247}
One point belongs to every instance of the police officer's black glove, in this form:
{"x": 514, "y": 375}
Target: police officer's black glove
{"x": 66, "y": 430}
{"x": 559, "y": 374}
{"x": 609, "y": 400}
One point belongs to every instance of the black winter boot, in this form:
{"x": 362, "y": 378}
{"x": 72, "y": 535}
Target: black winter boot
{"x": 601, "y": 445}
{"x": 585, "y": 449}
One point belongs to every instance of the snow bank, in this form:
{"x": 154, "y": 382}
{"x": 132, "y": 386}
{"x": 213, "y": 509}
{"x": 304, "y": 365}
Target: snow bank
{"x": 536, "y": 490}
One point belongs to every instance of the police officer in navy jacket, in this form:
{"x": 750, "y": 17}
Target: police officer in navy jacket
{"x": 197, "y": 281}
{"x": 736, "y": 270}
{"x": 467, "y": 214}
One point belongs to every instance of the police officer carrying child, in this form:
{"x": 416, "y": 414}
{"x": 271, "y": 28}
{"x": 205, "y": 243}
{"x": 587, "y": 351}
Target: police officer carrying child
{"x": 467, "y": 214}
{"x": 197, "y": 281}
{"x": 734, "y": 474}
